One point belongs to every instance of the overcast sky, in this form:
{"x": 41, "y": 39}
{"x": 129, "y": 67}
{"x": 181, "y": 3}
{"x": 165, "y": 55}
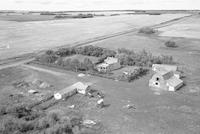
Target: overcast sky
{"x": 97, "y": 4}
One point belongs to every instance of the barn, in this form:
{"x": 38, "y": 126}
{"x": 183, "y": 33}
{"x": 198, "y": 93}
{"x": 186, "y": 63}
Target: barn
{"x": 165, "y": 78}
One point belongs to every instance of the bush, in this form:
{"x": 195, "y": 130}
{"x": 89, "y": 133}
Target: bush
{"x": 125, "y": 56}
{"x": 63, "y": 52}
{"x": 88, "y": 64}
{"x": 171, "y": 44}
{"x": 19, "y": 111}
{"x": 147, "y": 30}
{"x": 3, "y": 110}
{"x": 86, "y": 50}
{"x": 60, "y": 129}
{"x": 142, "y": 58}
{"x": 45, "y": 58}
{"x": 49, "y": 52}
{"x": 138, "y": 73}
{"x": 10, "y": 125}
{"x": 51, "y": 123}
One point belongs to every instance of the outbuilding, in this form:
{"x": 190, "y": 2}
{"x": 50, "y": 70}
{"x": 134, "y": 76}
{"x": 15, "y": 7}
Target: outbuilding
{"x": 109, "y": 64}
{"x": 71, "y": 90}
{"x": 166, "y": 77}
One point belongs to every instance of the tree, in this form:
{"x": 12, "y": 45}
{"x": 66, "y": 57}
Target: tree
{"x": 147, "y": 30}
{"x": 47, "y": 58}
{"x": 75, "y": 64}
{"x": 109, "y": 53}
{"x": 49, "y": 52}
{"x": 88, "y": 63}
{"x": 123, "y": 58}
{"x": 59, "y": 61}
{"x": 170, "y": 44}
{"x": 67, "y": 62}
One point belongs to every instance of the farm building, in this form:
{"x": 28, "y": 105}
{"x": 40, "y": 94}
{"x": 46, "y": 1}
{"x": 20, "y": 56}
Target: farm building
{"x": 108, "y": 65}
{"x": 71, "y": 90}
{"x": 166, "y": 78}
{"x": 159, "y": 67}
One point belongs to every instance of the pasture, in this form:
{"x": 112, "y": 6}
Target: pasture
{"x": 186, "y": 29}
{"x": 26, "y": 37}
{"x": 26, "y": 18}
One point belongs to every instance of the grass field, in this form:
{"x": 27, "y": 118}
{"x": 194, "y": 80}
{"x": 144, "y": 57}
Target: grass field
{"x": 174, "y": 113}
{"x": 24, "y": 37}
{"x": 188, "y": 29}
{"x": 25, "y": 18}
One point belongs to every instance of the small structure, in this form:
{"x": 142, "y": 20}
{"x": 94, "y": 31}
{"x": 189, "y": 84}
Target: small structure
{"x": 100, "y": 103}
{"x": 89, "y": 123}
{"x": 31, "y": 91}
{"x": 81, "y": 75}
{"x": 44, "y": 85}
{"x": 66, "y": 92}
{"x": 71, "y": 90}
{"x": 80, "y": 87}
{"x": 109, "y": 64}
{"x": 166, "y": 77}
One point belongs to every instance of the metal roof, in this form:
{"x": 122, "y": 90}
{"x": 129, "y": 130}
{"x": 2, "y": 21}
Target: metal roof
{"x": 111, "y": 60}
{"x": 103, "y": 65}
{"x": 157, "y": 67}
{"x": 174, "y": 81}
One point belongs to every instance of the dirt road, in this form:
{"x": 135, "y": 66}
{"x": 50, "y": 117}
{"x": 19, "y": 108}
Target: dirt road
{"x": 13, "y": 64}
{"x": 43, "y": 70}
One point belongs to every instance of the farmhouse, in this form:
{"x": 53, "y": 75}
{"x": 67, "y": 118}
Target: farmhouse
{"x": 166, "y": 78}
{"x": 109, "y": 64}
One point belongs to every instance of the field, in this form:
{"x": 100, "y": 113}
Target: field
{"x": 151, "y": 112}
{"x": 186, "y": 29}
{"x": 26, "y": 18}
{"x": 25, "y": 37}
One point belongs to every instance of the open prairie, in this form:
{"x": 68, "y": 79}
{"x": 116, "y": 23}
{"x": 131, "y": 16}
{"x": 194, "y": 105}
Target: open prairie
{"x": 23, "y": 37}
{"x": 26, "y": 18}
{"x": 188, "y": 29}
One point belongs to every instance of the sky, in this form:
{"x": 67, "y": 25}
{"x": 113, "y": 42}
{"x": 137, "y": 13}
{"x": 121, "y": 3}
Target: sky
{"x": 58, "y": 5}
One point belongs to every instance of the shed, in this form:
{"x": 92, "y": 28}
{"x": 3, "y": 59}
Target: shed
{"x": 80, "y": 87}
{"x": 66, "y": 92}
{"x": 71, "y": 90}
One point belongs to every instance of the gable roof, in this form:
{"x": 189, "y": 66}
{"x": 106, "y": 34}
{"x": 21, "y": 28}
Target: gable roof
{"x": 162, "y": 67}
{"x": 174, "y": 81}
{"x": 165, "y": 74}
{"x": 80, "y": 85}
{"x": 103, "y": 65}
{"x": 111, "y": 60}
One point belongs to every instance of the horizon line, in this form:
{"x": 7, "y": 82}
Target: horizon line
{"x": 101, "y": 10}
